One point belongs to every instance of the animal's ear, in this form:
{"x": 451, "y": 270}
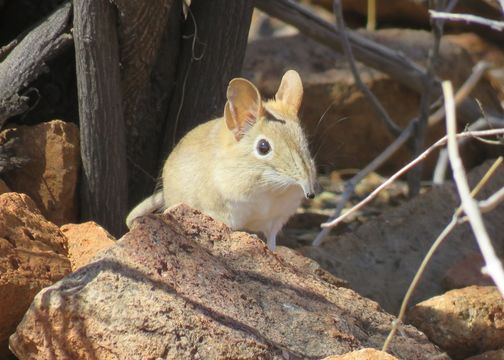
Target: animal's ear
{"x": 290, "y": 91}
{"x": 243, "y": 108}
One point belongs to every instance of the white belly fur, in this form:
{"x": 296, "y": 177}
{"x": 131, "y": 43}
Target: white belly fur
{"x": 266, "y": 212}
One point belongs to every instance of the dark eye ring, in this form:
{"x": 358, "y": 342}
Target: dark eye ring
{"x": 263, "y": 147}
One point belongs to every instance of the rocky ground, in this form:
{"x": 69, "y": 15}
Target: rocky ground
{"x": 181, "y": 285}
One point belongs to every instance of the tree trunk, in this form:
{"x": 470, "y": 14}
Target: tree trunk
{"x": 103, "y": 150}
{"x": 212, "y": 54}
{"x": 146, "y": 29}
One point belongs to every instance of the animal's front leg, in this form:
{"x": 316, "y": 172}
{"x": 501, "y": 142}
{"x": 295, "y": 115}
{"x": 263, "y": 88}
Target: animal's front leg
{"x": 276, "y": 226}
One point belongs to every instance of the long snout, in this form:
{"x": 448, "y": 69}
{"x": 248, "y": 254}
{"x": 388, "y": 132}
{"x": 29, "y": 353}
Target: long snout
{"x": 309, "y": 188}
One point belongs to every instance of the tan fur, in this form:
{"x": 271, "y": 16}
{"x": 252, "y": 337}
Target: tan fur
{"x": 217, "y": 168}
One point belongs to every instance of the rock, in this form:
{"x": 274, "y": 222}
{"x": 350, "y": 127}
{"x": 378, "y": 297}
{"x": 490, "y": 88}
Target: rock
{"x": 364, "y": 354}
{"x": 50, "y": 177}
{"x": 467, "y": 272}
{"x": 85, "y": 241}
{"x": 32, "y": 256}
{"x": 3, "y": 187}
{"x": 489, "y": 355}
{"x": 338, "y": 118}
{"x": 463, "y": 322}
{"x": 380, "y": 257}
{"x": 181, "y": 285}
{"x": 309, "y": 266}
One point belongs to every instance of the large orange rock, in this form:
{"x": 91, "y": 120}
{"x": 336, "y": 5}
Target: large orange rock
{"x": 463, "y": 322}
{"x": 85, "y": 241}
{"x": 32, "y": 256}
{"x": 181, "y": 285}
{"x": 50, "y": 177}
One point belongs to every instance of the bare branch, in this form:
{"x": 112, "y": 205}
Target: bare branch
{"x": 402, "y": 171}
{"x": 420, "y": 126}
{"x": 442, "y": 163}
{"x": 371, "y": 16}
{"x": 496, "y": 25}
{"x": 492, "y": 202}
{"x": 378, "y": 107}
{"x": 470, "y": 206}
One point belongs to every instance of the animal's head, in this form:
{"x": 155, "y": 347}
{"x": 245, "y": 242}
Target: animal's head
{"x": 268, "y": 134}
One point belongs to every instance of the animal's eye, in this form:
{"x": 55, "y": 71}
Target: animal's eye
{"x": 263, "y": 147}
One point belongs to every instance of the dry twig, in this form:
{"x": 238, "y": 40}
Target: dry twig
{"x": 371, "y": 15}
{"x": 420, "y": 126}
{"x": 347, "y": 50}
{"x": 470, "y": 206}
{"x": 496, "y": 25}
{"x": 442, "y": 163}
{"x": 493, "y": 201}
{"x": 402, "y": 171}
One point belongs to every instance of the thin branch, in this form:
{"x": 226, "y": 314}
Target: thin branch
{"x": 492, "y": 202}
{"x": 402, "y": 171}
{"x": 347, "y": 50}
{"x": 442, "y": 162}
{"x": 371, "y": 15}
{"x": 418, "y": 138}
{"x": 442, "y": 236}
{"x": 496, "y": 25}
{"x": 470, "y": 206}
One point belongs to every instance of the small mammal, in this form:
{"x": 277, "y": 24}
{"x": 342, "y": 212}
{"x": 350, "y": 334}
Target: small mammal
{"x": 249, "y": 169}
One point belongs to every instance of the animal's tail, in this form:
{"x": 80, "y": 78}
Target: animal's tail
{"x": 148, "y": 206}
